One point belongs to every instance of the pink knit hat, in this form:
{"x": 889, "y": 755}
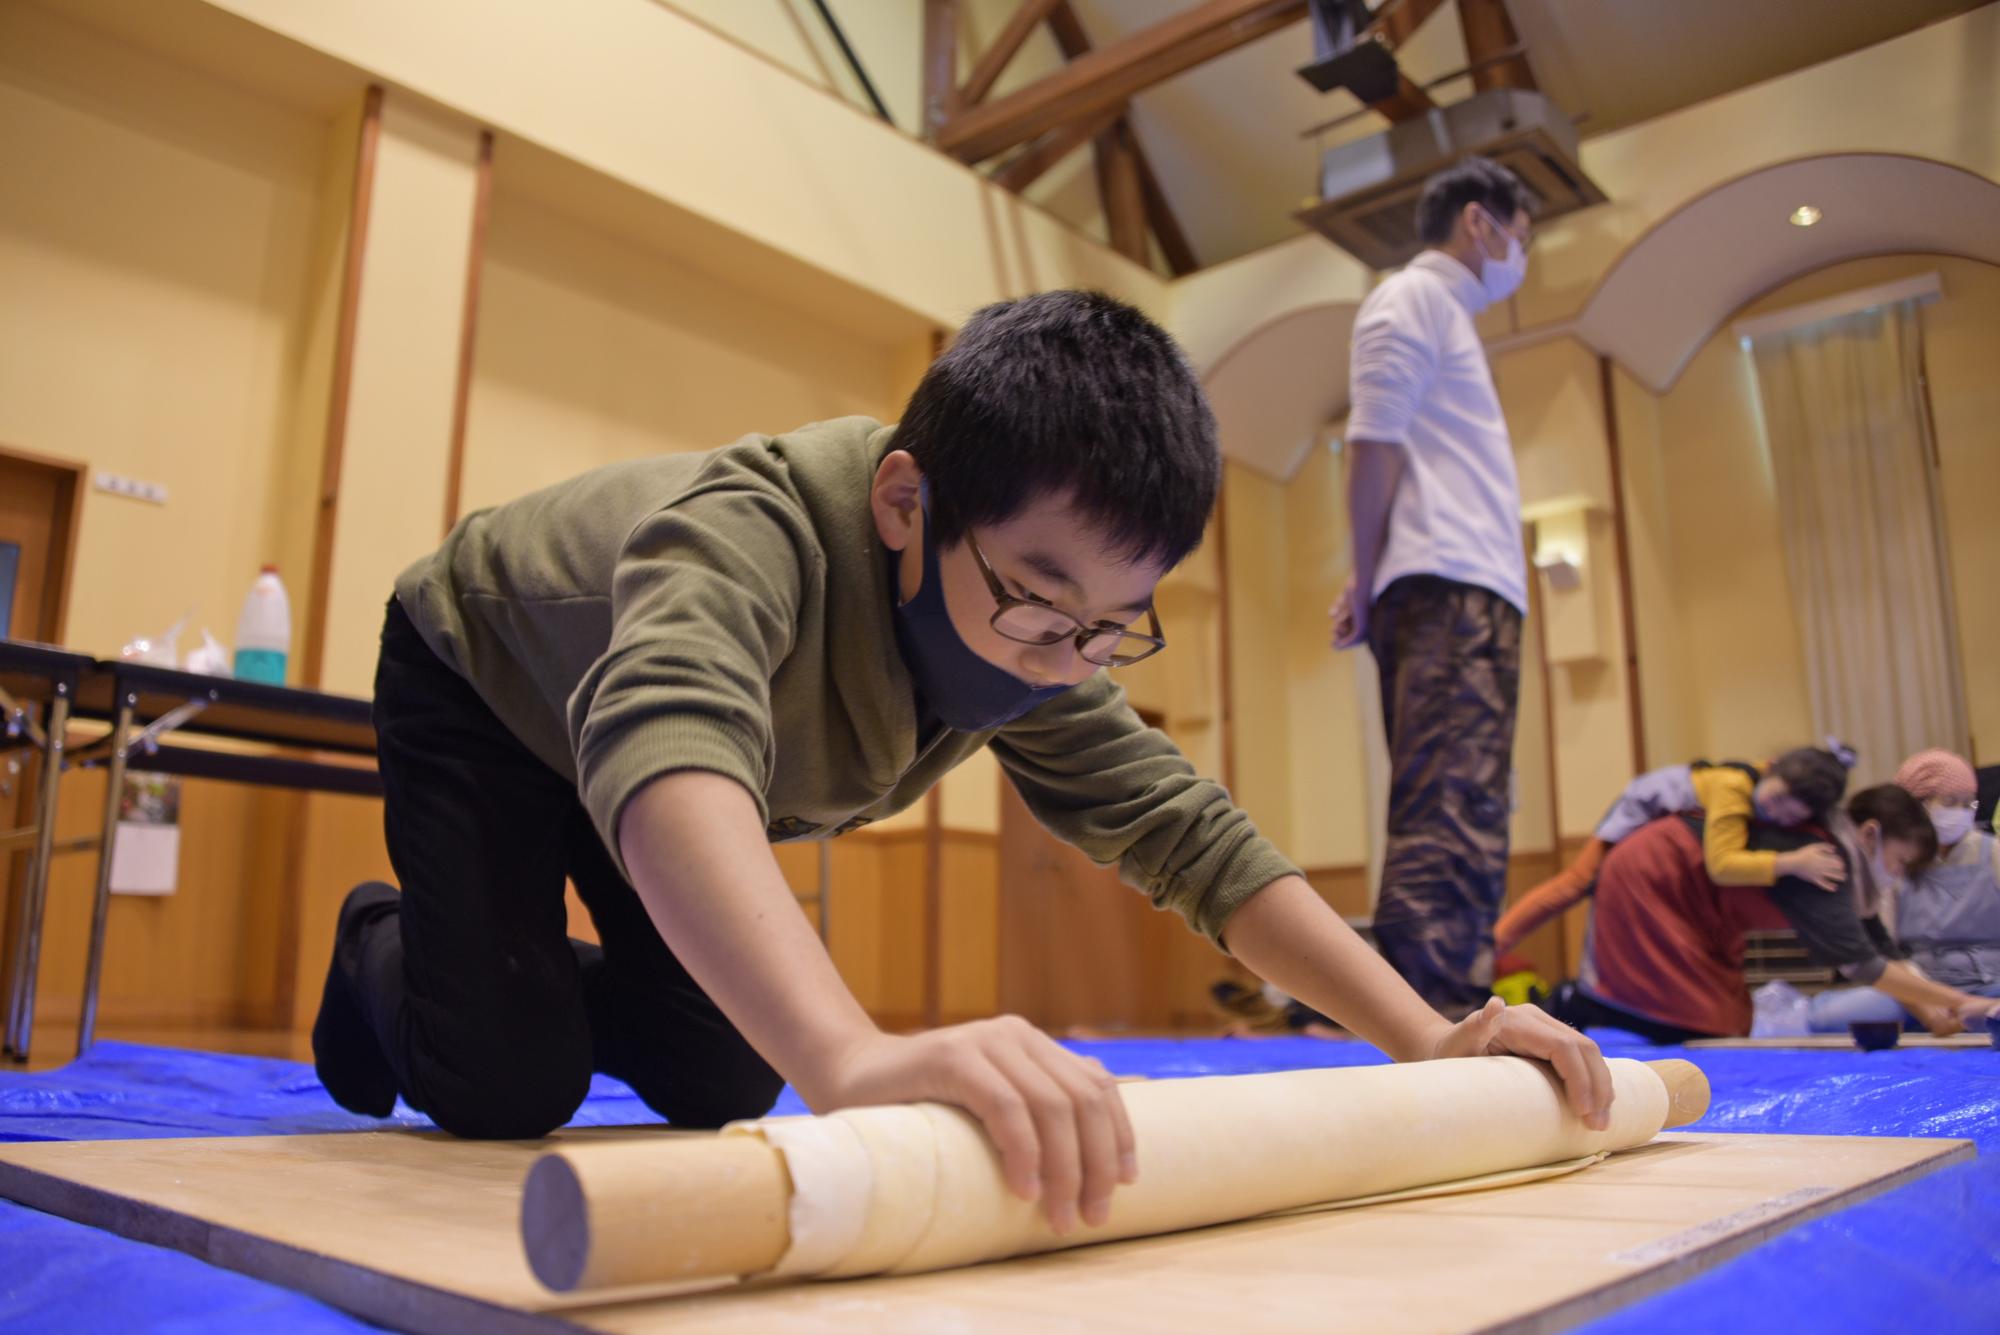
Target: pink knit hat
{"x": 1928, "y": 773}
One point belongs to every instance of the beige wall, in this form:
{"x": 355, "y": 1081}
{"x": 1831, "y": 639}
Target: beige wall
{"x": 593, "y": 349}
{"x": 1927, "y": 93}
{"x": 169, "y": 264}
{"x": 396, "y": 456}
{"x": 157, "y": 296}
{"x": 780, "y": 174}
{"x": 1553, "y": 397}
{"x": 1739, "y": 635}
{"x": 1325, "y": 777}
{"x": 1260, "y": 614}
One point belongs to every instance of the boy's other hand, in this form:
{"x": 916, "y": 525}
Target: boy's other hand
{"x": 1817, "y": 865}
{"x": 1350, "y": 618}
{"x": 1499, "y": 1030}
{"x": 1056, "y": 1118}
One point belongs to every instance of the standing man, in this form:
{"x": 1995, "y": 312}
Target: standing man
{"x": 1439, "y": 586}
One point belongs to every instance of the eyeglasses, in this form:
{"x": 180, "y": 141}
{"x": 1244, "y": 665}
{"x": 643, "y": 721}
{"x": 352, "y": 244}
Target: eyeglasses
{"x": 1030, "y": 620}
{"x": 1526, "y": 236}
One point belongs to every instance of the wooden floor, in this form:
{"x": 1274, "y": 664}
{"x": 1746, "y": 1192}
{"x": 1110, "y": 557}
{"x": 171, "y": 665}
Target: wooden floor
{"x": 55, "y": 1044}
{"x": 421, "y": 1232}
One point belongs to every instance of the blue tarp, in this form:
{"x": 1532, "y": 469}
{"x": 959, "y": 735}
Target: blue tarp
{"x": 1926, "y": 1256}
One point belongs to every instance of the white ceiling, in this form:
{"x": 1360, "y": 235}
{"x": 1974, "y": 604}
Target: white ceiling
{"x": 1672, "y": 291}
{"x": 1224, "y": 137}
{"x": 1275, "y": 392}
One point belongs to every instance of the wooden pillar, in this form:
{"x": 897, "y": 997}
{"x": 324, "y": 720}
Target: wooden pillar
{"x": 940, "y": 82}
{"x": 1630, "y": 640}
{"x": 468, "y": 329}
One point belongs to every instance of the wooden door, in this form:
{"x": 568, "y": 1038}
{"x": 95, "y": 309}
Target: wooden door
{"x": 1078, "y": 947}
{"x": 39, "y": 500}
{"x": 38, "y": 505}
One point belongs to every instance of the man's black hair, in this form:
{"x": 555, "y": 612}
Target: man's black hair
{"x": 1070, "y": 394}
{"x": 1817, "y": 778}
{"x": 1473, "y": 180}
{"x": 1900, "y": 815}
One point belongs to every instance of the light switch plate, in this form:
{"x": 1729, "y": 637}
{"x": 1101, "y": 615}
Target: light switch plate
{"x": 132, "y": 488}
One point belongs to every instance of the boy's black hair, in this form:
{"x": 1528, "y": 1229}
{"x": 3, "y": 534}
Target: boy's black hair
{"x": 1472, "y": 180}
{"x": 1900, "y": 815}
{"x": 1817, "y": 778}
{"x": 1067, "y": 394}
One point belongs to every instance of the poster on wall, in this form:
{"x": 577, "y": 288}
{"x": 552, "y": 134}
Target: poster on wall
{"x": 146, "y": 853}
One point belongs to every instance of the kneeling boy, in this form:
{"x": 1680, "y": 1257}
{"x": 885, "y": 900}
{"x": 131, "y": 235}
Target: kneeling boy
{"x": 639, "y": 678}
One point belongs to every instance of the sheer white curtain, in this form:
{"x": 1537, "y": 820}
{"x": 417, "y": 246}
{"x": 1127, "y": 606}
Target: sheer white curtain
{"x": 1848, "y": 424}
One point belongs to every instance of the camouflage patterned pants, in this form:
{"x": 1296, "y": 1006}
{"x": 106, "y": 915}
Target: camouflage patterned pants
{"x": 1449, "y": 656}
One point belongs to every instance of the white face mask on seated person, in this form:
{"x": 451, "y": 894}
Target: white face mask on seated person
{"x": 1953, "y": 823}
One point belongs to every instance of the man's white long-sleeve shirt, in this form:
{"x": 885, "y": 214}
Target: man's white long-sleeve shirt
{"x": 1419, "y": 380}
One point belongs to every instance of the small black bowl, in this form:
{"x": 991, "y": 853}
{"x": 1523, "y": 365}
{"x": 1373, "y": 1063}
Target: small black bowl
{"x": 1876, "y": 1035}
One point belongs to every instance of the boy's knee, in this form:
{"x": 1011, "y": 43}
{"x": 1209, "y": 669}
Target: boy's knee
{"x": 518, "y": 1104}
{"x": 498, "y": 1083}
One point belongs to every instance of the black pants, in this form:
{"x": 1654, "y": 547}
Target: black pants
{"x": 491, "y": 1016}
{"x": 1449, "y": 657}
{"x": 1578, "y": 1009}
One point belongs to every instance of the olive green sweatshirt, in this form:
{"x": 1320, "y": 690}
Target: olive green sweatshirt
{"x": 733, "y": 611}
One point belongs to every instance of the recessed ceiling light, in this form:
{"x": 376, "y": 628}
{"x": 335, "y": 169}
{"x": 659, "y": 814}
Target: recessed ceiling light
{"x": 1805, "y": 215}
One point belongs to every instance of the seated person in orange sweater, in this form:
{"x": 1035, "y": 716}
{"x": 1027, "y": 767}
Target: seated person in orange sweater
{"x": 1799, "y": 786}
{"x": 1664, "y": 958}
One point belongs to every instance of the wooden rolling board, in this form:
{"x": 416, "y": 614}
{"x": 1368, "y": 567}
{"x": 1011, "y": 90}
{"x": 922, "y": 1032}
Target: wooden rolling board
{"x": 419, "y": 1231}
{"x": 1838, "y": 1042}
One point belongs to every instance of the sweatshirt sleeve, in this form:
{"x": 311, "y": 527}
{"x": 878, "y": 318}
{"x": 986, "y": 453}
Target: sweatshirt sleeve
{"x": 1725, "y": 793}
{"x": 705, "y": 599}
{"x": 1829, "y": 929}
{"x": 1392, "y": 360}
{"x": 1097, "y": 777}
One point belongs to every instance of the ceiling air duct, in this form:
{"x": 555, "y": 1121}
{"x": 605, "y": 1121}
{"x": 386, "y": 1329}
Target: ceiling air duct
{"x": 1369, "y": 188}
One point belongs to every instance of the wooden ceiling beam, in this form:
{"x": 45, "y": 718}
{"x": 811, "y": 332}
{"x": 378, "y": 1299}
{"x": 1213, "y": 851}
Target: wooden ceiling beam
{"x": 1488, "y": 31}
{"x": 1110, "y": 75}
{"x": 1028, "y": 166}
{"x": 1123, "y": 191}
{"x": 1028, "y": 15}
{"x": 1180, "y": 257}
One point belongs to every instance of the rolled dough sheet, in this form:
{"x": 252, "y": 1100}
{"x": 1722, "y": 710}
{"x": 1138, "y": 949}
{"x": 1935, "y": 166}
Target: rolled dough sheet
{"x": 919, "y": 1187}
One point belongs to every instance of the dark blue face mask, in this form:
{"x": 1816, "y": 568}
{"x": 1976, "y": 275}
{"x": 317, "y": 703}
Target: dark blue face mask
{"x": 965, "y": 691}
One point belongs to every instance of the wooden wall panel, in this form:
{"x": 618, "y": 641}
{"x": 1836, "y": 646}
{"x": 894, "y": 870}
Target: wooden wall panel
{"x": 969, "y": 934}
{"x": 204, "y": 956}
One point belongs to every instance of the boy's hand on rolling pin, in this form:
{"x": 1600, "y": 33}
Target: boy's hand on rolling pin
{"x": 1816, "y": 864}
{"x": 1057, "y": 1118}
{"x": 1500, "y": 1030}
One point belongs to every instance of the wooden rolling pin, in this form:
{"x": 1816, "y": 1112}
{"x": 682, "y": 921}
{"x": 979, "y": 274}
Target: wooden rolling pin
{"x": 669, "y": 1208}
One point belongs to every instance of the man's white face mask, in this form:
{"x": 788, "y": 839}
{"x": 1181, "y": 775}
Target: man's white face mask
{"x": 1502, "y": 278}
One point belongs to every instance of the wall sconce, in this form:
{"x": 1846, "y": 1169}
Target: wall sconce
{"x": 1561, "y": 566}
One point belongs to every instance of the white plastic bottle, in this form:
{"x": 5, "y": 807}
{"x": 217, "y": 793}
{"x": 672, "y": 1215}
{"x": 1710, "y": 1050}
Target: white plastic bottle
{"x": 264, "y": 631}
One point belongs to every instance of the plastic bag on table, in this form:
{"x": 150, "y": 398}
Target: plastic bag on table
{"x": 1781, "y": 1011}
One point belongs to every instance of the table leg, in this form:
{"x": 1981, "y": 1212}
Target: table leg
{"x": 35, "y": 893}
{"x": 100, "y": 911}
